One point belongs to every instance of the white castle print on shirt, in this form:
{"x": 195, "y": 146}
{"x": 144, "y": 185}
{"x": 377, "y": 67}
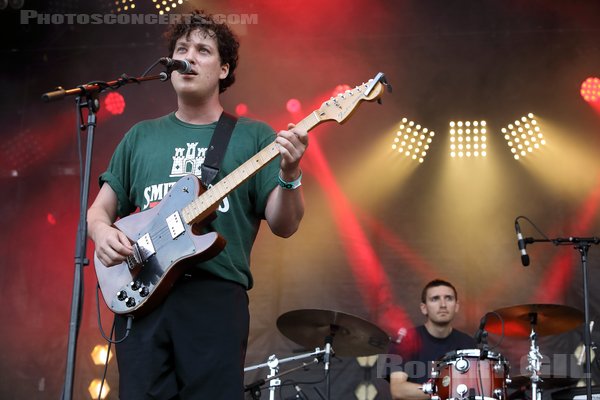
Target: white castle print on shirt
{"x": 184, "y": 163}
{"x": 188, "y": 162}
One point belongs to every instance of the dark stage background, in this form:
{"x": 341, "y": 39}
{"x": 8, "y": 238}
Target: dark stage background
{"x": 378, "y": 226}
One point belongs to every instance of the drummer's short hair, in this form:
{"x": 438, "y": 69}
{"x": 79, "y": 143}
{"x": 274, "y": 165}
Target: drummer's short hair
{"x": 436, "y": 283}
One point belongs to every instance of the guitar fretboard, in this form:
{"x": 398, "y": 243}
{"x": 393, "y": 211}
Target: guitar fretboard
{"x": 197, "y": 209}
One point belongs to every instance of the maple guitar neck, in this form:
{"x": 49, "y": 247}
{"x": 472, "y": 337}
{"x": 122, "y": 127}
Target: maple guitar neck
{"x": 336, "y": 109}
{"x": 198, "y": 209}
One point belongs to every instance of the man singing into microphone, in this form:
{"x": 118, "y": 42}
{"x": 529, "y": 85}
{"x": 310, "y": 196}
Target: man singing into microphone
{"x": 428, "y": 342}
{"x": 193, "y": 344}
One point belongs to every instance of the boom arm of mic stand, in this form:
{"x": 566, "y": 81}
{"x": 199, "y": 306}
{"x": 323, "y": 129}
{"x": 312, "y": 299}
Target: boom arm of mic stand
{"x": 565, "y": 241}
{"x": 98, "y": 87}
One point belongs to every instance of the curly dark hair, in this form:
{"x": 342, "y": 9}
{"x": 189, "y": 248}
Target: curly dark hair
{"x": 227, "y": 42}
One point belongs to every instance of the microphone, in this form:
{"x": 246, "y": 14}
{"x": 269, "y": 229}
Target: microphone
{"x": 181, "y": 66}
{"x": 521, "y": 243}
{"x": 479, "y": 335}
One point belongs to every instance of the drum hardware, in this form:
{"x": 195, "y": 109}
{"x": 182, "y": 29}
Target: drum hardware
{"x": 273, "y": 377}
{"x": 352, "y": 336}
{"x": 462, "y": 365}
{"x": 582, "y": 245}
{"x": 468, "y": 374}
{"x": 534, "y": 357}
{"x": 429, "y": 386}
{"x": 551, "y": 319}
{"x": 523, "y": 382}
{"x": 533, "y": 320}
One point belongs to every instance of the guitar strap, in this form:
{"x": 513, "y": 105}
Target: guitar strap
{"x": 216, "y": 148}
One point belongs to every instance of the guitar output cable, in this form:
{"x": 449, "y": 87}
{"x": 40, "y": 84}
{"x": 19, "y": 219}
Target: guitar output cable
{"x": 109, "y": 339}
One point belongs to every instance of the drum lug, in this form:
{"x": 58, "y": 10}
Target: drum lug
{"x": 498, "y": 368}
{"x": 462, "y": 365}
{"x": 429, "y": 388}
{"x": 498, "y": 393}
{"x": 462, "y": 389}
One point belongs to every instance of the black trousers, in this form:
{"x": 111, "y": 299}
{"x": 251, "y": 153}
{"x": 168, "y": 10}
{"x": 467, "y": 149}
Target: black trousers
{"x": 191, "y": 347}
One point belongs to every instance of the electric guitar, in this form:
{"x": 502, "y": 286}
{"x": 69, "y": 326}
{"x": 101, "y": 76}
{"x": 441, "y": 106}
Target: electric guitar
{"x": 165, "y": 239}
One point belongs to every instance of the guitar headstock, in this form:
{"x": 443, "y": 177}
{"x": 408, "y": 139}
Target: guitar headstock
{"x": 340, "y": 107}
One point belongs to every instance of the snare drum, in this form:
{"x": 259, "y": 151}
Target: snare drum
{"x": 470, "y": 374}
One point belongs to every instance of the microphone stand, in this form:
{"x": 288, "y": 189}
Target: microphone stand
{"x": 86, "y": 97}
{"x": 582, "y": 245}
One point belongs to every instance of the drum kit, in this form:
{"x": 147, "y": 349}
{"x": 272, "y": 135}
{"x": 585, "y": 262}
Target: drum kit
{"x": 351, "y": 336}
{"x": 469, "y": 374}
{"x": 480, "y": 374}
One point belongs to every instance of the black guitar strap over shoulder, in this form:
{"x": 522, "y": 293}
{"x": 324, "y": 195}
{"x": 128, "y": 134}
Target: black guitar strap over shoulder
{"x": 216, "y": 148}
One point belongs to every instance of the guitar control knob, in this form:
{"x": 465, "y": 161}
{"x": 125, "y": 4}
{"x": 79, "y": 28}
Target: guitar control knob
{"x": 122, "y": 295}
{"x": 130, "y": 302}
{"x": 135, "y": 285}
{"x": 144, "y": 291}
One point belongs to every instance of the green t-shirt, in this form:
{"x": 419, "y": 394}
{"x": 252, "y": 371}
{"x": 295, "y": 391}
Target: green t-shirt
{"x": 155, "y": 154}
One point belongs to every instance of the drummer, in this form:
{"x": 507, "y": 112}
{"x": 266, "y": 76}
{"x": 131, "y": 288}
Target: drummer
{"x": 428, "y": 342}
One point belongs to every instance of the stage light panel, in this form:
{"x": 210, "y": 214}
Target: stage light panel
{"x": 524, "y": 136}
{"x": 98, "y": 354}
{"x": 94, "y": 389}
{"x": 241, "y": 109}
{"x": 124, "y": 5}
{"x": 590, "y": 90}
{"x": 468, "y": 139}
{"x": 366, "y": 391}
{"x": 114, "y": 103}
{"x": 412, "y": 140}
{"x": 165, "y": 6}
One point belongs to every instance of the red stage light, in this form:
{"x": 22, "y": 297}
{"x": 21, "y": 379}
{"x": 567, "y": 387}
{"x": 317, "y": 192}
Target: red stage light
{"x": 51, "y": 219}
{"x": 241, "y": 109}
{"x": 293, "y": 106}
{"x": 590, "y": 90}
{"x": 114, "y": 103}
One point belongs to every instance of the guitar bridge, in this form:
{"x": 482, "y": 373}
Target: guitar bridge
{"x": 143, "y": 249}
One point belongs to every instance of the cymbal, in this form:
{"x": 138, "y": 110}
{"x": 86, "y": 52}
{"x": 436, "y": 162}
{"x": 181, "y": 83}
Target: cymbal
{"x": 550, "y": 319}
{"x": 547, "y": 382}
{"x": 352, "y": 336}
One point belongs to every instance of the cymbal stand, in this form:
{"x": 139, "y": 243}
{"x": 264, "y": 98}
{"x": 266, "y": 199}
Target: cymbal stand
{"x": 581, "y": 244}
{"x": 535, "y": 360}
{"x": 274, "y": 375}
